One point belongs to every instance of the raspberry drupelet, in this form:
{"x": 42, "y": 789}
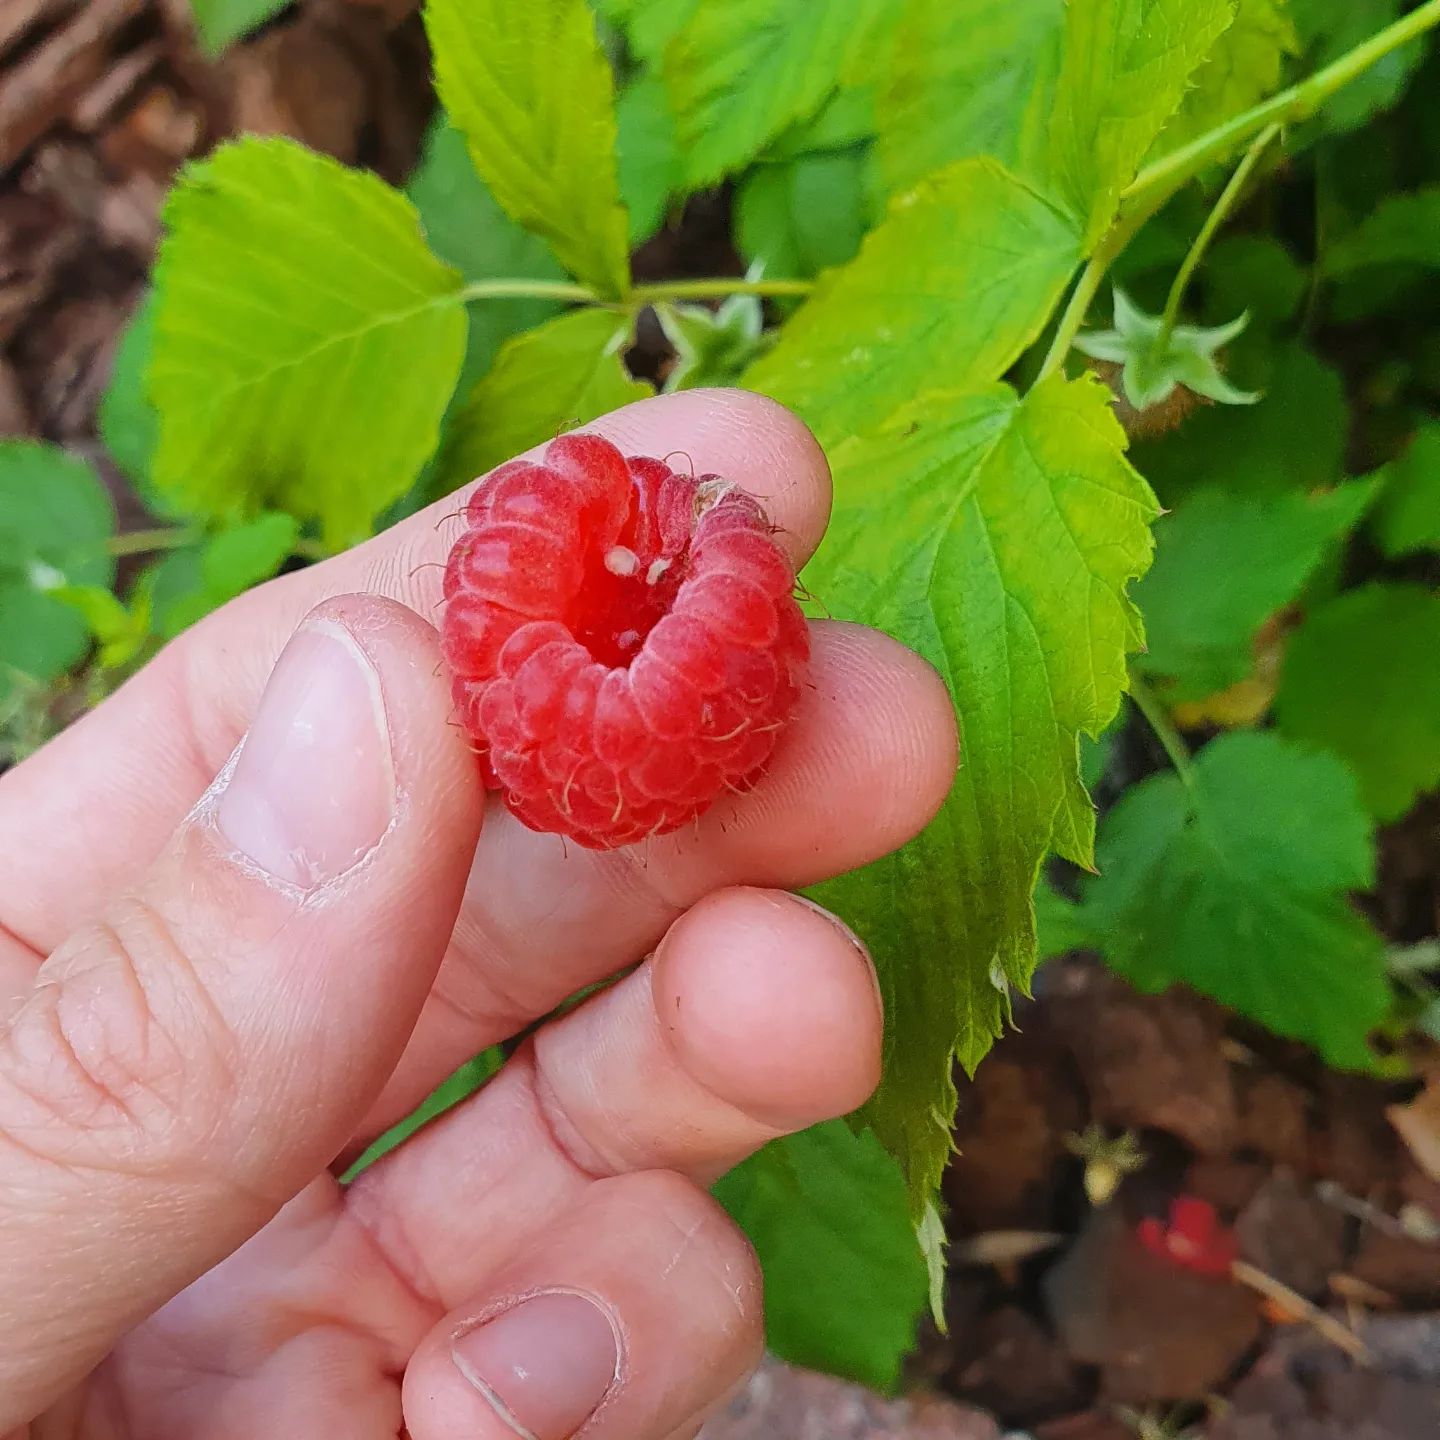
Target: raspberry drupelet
{"x": 624, "y": 640}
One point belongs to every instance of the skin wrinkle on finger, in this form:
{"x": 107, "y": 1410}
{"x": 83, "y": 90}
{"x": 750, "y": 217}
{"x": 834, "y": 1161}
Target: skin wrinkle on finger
{"x": 308, "y": 1300}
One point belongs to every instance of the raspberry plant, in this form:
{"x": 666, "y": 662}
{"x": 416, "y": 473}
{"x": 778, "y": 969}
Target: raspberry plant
{"x": 942, "y": 204}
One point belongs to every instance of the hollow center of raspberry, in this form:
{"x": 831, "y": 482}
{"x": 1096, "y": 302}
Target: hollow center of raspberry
{"x": 624, "y": 595}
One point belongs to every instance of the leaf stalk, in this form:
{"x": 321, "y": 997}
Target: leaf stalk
{"x": 147, "y": 542}
{"x": 1150, "y": 706}
{"x": 714, "y": 288}
{"x": 1219, "y": 214}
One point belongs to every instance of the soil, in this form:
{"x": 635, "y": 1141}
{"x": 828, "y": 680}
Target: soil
{"x": 1328, "y": 1184}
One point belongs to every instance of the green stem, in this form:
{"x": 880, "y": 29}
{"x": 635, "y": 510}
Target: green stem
{"x": 176, "y": 537}
{"x": 1310, "y": 314}
{"x": 1150, "y": 706}
{"x": 145, "y": 542}
{"x": 1086, "y": 288}
{"x": 526, "y": 290}
{"x": 1229, "y": 198}
{"x": 708, "y": 289}
{"x": 1300, "y": 101}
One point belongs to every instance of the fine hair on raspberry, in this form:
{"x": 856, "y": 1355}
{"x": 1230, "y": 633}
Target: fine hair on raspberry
{"x": 624, "y": 640}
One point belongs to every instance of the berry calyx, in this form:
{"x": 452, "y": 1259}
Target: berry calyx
{"x": 624, "y": 640}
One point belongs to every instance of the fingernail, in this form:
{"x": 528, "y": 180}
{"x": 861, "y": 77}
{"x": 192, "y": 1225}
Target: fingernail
{"x": 860, "y": 947}
{"x": 834, "y": 920}
{"x": 314, "y": 789}
{"x": 544, "y": 1366}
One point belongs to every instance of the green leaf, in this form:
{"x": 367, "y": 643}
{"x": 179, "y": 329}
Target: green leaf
{"x": 1403, "y": 230}
{"x": 128, "y": 423}
{"x": 844, "y": 1283}
{"x": 845, "y": 120}
{"x": 54, "y": 519}
{"x": 228, "y": 564}
{"x": 996, "y": 536}
{"x": 1245, "y": 65}
{"x": 1060, "y": 924}
{"x": 568, "y": 371}
{"x": 739, "y": 73}
{"x": 1408, "y": 516}
{"x": 173, "y": 580}
{"x": 1155, "y": 364}
{"x": 1224, "y": 564}
{"x": 1330, "y": 28}
{"x": 802, "y": 216}
{"x": 966, "y": 77}
{"x": 120, "y": 633}
{"x": 649, "y": 25}
{"x": 1362, "y": 678}
{"x": 221, "y": 22}
{"x": 712, "y": 347}
{"x": 531, "y": 90}
{"x": 306, "y": 342}
{"x": 649, "y": 155}
{"x": 946, "y": 292}
{"x": 466, "y": 228}
{"x": 1236, "y": 885}
{"x": 1292, "y": 439}
{"x": 1125, "y": 70}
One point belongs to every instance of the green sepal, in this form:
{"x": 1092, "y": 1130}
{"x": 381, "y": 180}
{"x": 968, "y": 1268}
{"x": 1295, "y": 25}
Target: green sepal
{"x": 1153, "y": 363}
{"x": 712, "y": 347}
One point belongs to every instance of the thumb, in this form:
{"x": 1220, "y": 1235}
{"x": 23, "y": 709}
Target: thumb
{"x": 190, "y": 1061}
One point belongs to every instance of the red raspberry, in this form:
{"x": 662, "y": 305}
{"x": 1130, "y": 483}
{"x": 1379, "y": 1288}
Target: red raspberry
{"x": 1192, "y": 1237}
{"x": 625, "y": 641}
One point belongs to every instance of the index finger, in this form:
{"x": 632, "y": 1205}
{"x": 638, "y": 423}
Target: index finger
{"x": 107, "y": 792}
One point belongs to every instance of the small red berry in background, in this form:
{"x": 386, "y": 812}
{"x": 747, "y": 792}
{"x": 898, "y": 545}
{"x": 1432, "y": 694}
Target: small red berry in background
{"x": 1192, "y": 1238}
{"x": 624, "y": 640}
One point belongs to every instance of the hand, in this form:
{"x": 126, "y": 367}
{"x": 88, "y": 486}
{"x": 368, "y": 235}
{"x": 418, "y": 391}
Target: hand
{"x": 259, "y": 958}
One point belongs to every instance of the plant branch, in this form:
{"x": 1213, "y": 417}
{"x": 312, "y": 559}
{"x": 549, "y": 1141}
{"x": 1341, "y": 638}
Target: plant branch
{"x": 1299, "y": 102}
{"x": 1219, "y": 214}
{"x": 1149, "y": 705}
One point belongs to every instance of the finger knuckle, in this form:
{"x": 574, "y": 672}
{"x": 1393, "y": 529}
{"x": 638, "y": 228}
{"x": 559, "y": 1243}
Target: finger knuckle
{"x": 118, "y": 1059}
